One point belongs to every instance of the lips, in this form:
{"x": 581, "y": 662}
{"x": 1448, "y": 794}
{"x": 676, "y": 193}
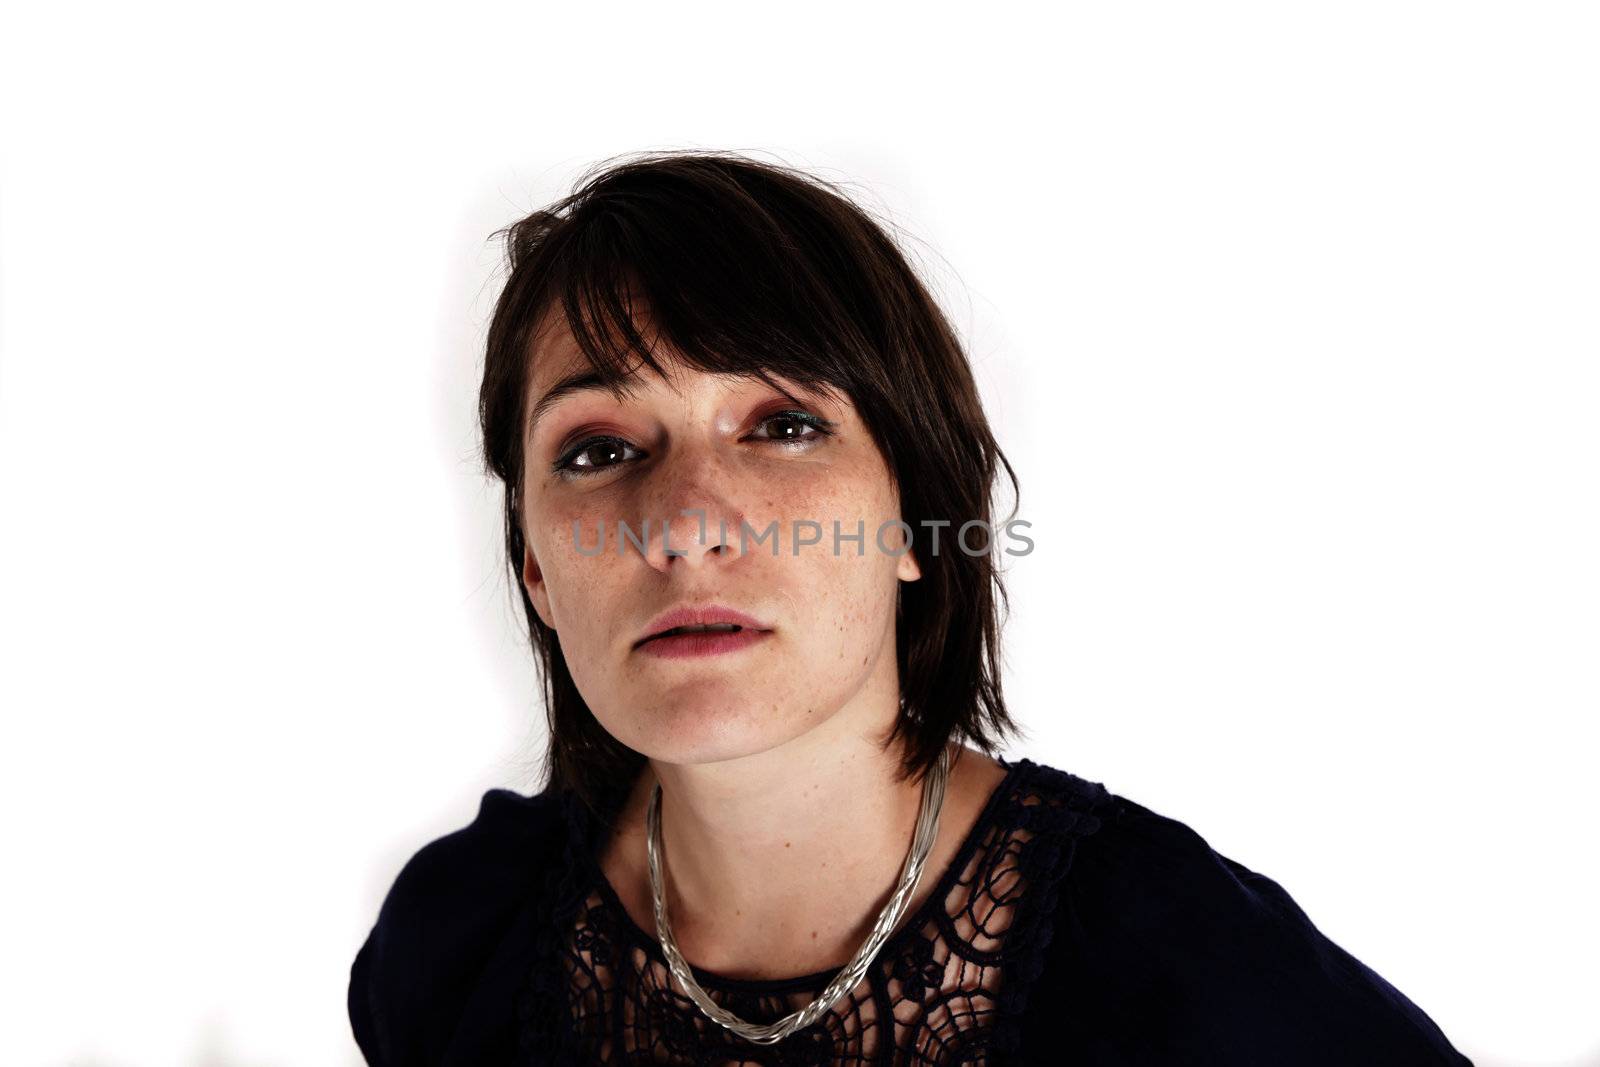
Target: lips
{"x": 700, "y": 615}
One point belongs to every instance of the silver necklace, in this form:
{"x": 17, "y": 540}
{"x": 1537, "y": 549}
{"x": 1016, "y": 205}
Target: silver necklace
{"x": 933, "y": 787}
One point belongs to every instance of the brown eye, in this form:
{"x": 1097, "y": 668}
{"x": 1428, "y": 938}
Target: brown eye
{"x": 594, "y": 455}
{"x": 597, "y": 454}
{"x": 792, "y": 426}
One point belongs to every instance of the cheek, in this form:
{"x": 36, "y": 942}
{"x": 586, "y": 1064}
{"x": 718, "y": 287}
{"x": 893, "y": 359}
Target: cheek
{"x": 850, "y": 488}
{"x": 574, "y": 582}
{"x": 849, "y": 587}
{"x": 851, "y": 609}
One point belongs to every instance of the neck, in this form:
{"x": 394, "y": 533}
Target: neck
{"x": 779, "y": 862}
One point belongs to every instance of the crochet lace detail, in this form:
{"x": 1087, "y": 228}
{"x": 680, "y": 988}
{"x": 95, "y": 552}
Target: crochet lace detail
{"x": 949, "y": 986}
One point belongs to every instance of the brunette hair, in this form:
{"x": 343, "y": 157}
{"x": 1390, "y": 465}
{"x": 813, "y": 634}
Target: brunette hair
{"x": 749, "y": 267}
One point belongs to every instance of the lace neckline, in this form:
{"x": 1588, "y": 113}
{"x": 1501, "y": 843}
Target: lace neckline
{"x": 595, "y": 839}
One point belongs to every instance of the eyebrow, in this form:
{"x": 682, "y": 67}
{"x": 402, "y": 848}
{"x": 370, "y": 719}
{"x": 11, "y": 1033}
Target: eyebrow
{"x": 590, "y": 380}
{"x": 577, "y": 382}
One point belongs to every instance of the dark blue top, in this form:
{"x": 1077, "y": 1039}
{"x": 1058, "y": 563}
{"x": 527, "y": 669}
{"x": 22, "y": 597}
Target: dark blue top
{"x": 1073, "y": 927}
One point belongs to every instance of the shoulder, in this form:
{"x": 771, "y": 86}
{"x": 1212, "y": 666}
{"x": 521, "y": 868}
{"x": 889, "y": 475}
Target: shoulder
{"x": 444, "y": 919}
{"x": 1164, "y": 947}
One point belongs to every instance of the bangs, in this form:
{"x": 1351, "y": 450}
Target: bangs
{"x": 724, "y": 281}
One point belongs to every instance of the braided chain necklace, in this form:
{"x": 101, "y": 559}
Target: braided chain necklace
{"x": 933, "y": 788}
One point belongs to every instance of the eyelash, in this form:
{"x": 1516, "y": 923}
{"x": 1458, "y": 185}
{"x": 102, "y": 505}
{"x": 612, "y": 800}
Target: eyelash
{"x": 823, "y": 427}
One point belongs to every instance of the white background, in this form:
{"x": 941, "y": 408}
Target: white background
{"x": 1285, "y": 313}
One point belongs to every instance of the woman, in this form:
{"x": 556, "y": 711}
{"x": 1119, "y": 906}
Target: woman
{"x": 743, "y": 459}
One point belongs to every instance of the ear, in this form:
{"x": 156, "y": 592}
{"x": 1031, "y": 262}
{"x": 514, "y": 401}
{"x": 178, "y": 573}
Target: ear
{"x": 533, "y": 582}
{"x": 906, "y": 567}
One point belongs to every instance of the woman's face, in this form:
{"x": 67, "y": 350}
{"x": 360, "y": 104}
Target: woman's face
{"x": 735, "y": 449}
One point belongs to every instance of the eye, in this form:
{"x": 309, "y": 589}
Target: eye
{"x": 603, "y": 447}
{"x": 798, "y": 421}
{"x": 594, "y": 455}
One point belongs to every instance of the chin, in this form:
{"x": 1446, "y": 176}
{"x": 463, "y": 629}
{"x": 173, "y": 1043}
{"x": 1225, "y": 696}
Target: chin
{"x": 711, "y": 731}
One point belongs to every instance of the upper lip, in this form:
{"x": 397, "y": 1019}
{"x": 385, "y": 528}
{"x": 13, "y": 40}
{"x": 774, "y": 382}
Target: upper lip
{"x": 698, "y": 615}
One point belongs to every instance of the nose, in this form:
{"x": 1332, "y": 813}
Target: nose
{"x": 693, "y": 518}
{"x": 687, "y": 539}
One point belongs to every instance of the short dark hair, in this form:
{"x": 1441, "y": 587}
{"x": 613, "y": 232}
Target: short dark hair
{"x": 749, "y": 267}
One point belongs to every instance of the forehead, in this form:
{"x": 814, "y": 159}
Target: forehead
{"x": 559, "y": 367}
{"x": 555, "y": 354}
